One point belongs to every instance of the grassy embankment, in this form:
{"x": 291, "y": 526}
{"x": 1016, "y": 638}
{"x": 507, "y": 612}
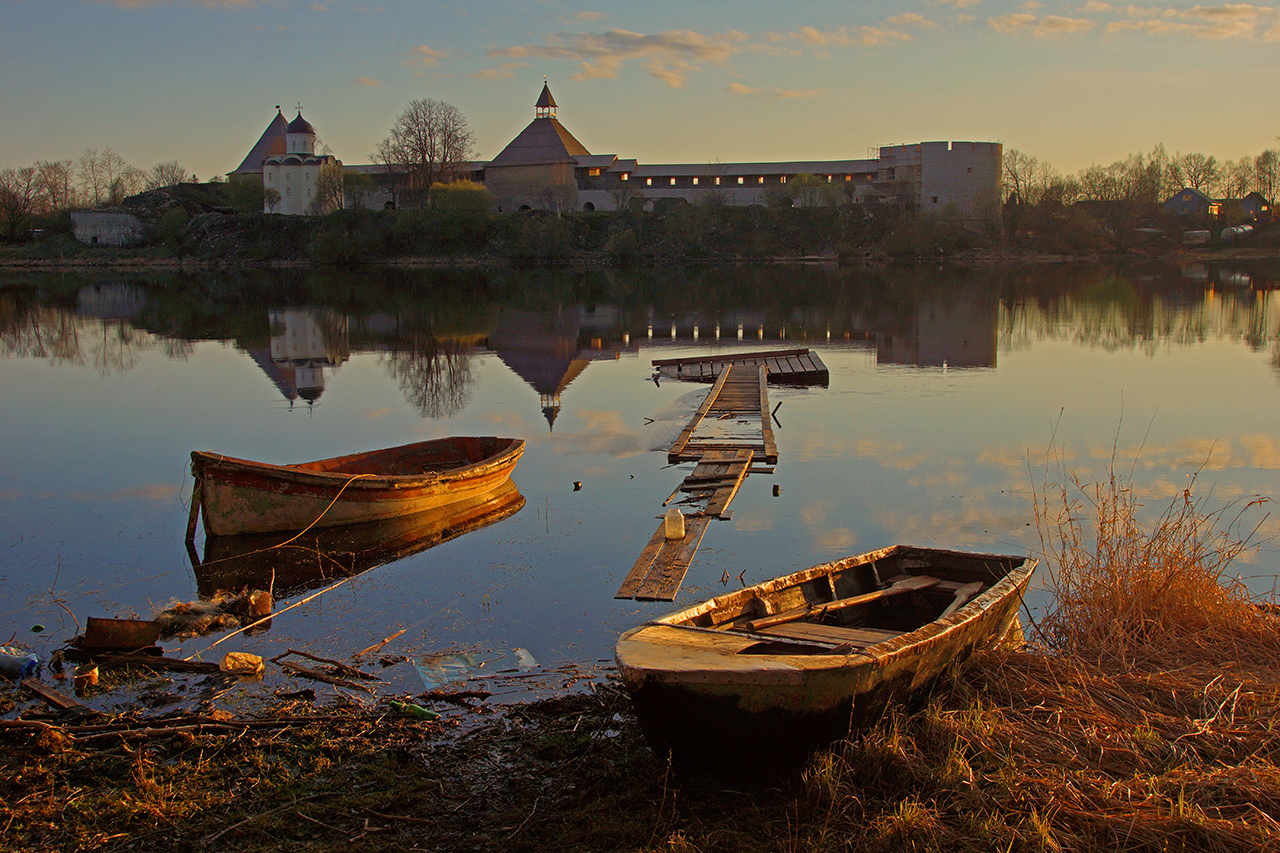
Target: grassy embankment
{"x": 1144, "y": 720}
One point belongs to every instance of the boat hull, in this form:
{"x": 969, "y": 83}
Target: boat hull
{"x": 238, "y": 496}
{"x": 712, "y": 698}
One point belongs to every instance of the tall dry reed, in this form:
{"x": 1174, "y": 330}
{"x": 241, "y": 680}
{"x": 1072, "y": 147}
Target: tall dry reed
{"x": 1160, "y": 592}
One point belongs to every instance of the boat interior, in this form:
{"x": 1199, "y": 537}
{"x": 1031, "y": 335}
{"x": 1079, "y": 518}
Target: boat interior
{"x": 412, "y": 459}
{"x": 851, "y": 604}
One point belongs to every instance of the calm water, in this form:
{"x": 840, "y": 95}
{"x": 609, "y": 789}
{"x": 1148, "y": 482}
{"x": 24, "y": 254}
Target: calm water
{"x": 946, "y": 389}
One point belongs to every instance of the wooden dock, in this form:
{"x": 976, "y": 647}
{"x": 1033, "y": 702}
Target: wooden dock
{"x": 739, "y": 392}
{"x": 786, "y": 367}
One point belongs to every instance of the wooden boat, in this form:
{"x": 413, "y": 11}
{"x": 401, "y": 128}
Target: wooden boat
{"x": 761, "y": 677}
{"x": 288, "y": 564}
{"x": 238, "y": 496}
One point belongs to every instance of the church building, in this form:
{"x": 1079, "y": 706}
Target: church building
{"x": 286, "y": 162}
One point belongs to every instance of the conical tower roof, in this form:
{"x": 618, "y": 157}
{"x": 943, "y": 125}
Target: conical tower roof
{"x": 271, "y": 143}
{"x": 545, "y": 140}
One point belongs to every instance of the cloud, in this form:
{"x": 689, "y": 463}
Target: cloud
{"x": 502, "y": 72}
{"x": 590, "y": 16}
{"x": 740, "y": 89}
{"x": 208, "y": 4}
{"x": 1026, "y": 24}
{"x": 366, "y": 81}
{"x": 423, "y": 55}
{"x": 911, "y": 19}
{"x": 319, "y": 7}
{"x": 959, "y": 4}
{"x": 670, "y": 56}
{"x": 844, "y": 36}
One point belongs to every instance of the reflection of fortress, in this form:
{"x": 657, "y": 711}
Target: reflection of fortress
{"x": 544, "y": 349}
{"x": 959, "y": 325}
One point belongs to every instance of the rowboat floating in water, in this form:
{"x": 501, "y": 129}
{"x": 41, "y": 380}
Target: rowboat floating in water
{"x": 761, "y": 677}
{"x": 238, "y": 496}
{"x": 287, "y": 563}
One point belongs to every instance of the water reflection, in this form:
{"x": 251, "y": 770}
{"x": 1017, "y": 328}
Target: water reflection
{"x": 290, "y": 563}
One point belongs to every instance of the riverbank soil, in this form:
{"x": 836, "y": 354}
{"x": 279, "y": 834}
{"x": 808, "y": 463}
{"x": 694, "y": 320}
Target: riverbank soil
{"x": 1019, "y": 750}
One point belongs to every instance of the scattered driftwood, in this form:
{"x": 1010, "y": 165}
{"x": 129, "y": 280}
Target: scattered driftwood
{"x": 341, "y": 667}
{"x": 139, "y": 730}
{"x": 317, "y": 674}
{"x": 378, "y": 646}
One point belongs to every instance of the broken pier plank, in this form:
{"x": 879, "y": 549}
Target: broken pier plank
{"x": 661, "y": 567}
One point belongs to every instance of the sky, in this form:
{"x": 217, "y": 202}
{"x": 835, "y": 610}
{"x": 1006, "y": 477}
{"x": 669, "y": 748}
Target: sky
{"x": 1071, "y": 83}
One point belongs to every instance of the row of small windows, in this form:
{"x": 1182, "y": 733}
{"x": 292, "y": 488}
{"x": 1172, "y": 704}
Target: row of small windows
{"x": 743, "y": 181}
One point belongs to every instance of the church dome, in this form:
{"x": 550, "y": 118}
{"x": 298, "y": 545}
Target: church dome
{"x": 300, "y": 125}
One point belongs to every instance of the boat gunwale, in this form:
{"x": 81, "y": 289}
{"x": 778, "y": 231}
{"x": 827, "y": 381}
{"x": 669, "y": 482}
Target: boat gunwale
{"x": 876, "y": 655}
{"x": 221, "y": 467}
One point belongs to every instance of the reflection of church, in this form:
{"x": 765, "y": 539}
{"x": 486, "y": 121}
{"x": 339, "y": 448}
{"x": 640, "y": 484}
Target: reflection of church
{"x": 304, "y": 341}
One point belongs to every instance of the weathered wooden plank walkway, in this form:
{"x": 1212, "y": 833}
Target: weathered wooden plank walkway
{"x": 786, "y": 367}
{"x": 718, "y": 476}
{"x": 663, "y": 563}
{"x": 739, "y": 391}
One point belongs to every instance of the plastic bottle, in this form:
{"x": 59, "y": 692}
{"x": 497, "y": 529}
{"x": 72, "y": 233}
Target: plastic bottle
{"x": 409, "y": 709}
{"x": 18, "y": 664}
{"x": 674, "y": 524}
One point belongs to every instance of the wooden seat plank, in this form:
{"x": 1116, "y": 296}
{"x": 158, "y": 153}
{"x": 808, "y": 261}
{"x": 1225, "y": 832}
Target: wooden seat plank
{"x": 860, "y": 637}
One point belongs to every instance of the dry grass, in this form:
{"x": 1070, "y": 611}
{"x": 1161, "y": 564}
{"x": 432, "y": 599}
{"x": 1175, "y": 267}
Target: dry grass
{"x": 1156, "y": 593}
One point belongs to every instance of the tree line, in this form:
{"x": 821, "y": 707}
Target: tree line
{"x": 96, "y": 179}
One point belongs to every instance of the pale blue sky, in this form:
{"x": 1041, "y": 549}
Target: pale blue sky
{"x": 1072, "y": 83}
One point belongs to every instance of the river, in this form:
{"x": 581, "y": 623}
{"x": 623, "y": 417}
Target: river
{"x": 952, "y": 392}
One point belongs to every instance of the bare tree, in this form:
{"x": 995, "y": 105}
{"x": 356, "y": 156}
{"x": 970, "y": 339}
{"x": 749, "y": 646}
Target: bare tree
{"x": 1197, "y": 171}
{"x": 130, "y": 181}
{"x": 20, "y": 198}
{"x": 1118, "y": 196}
{"x": 92, "y": 181}
{"x": 1266, "y": 174}
{"x": 429, "y": 140}
{"x": 358, "y": 187}
{"x": 328, "y": 191}
{"x": 271, "y": 197}
{"x": 386, "y": 156}
{"x": 1236, "y": 177}
{"x": 57, "y": 182}
{"x": 166, "y": 175}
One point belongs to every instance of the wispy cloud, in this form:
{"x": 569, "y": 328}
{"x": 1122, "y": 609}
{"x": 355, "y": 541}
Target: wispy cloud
{"x": 959, "y": 4}
{"x": 843, "y": 36}
{"x": 502, "y": 72}
{"x": 670, "y": 56}
{"x": 740, "y": 89}
{"x": 367, "y": 81}
{"x": 208, "y": 4}
{"x": 1027, "y": 24}
{"x": 424, "y": 55}
{"x": 590, "y": 16}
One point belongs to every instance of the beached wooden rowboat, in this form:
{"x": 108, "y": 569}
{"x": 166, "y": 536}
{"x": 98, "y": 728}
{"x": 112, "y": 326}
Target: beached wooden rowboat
{"x": 239, "y": 496}
{"x": 763, "y": 676}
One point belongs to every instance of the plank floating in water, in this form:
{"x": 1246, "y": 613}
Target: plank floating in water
{"x": 786, "y": 367}
{"x": 662, "y": 564}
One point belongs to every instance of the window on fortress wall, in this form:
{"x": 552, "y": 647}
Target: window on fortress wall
{"x": 935, "y": 199}
{"x": 594, "y": 172}
{"x": 673, "y": 182}
{"x": 626, "y": 176}
{"x": 828, "y": 179}
{"x": 760, "y": 180}
{"x": 783, "y": 179}
{"x": 717, "y": 180}
{"x": 695, "y": 182}
{"x": 739, "y": 181}
{"x": 648, "y": 182}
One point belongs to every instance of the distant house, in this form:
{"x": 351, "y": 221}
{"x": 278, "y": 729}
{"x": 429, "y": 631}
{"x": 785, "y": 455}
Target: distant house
{"x": 1191, "y": 202}
{"x": 1255, "y": 206}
